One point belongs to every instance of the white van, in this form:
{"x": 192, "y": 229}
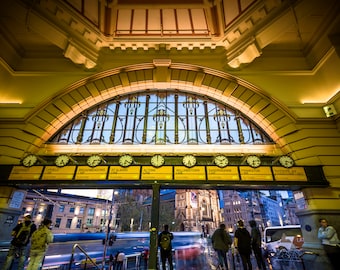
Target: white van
{"x": 282, "y": 237}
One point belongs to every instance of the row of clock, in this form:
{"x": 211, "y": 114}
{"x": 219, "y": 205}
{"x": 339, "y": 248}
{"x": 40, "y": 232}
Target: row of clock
{"x": 157, "y": 161}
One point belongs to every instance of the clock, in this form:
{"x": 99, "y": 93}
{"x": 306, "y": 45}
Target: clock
{"x": 157, "y": 160}
{"x": 94, "y": 160}
{"x": 221, "y": 161}
{"x": 254, "y": 161}
{"x": 189, "y": 161}
{"x": 62, "y": 160}
{"x": 286, "y": 161}
{"x": 29, "y": 160}
{"x": 125, "y": 160}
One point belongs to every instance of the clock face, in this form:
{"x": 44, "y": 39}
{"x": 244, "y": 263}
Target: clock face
{"x": 189, "y": 161}
{"x": 221, "y": 161}
{"x": 125, "y": 160}
{"x": 254, "y": 161}
{"x": 62, "y": 160}
{"x": 29, "y": 160}
{"x": 286, "y": 161}
{"x": 94, "y": 160}
{"x": 157, "y": 160}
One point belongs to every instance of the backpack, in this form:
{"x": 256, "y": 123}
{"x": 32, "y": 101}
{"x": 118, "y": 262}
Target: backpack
{"x": 23, "y": 235}
{"x": 165, "y": 241}
{"x": 39, "y": 239}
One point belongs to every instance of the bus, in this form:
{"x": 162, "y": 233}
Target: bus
{"x": 282, "y": 237}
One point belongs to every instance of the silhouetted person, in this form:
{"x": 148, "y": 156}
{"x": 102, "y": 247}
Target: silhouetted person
{"x": 165, "y": 245}
{"x": 242, "y": 243}
{"x": 221, "y": 241}
{"x": 256, "y": 244}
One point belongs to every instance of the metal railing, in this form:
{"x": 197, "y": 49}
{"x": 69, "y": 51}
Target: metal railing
{"x": 93, "y": 263}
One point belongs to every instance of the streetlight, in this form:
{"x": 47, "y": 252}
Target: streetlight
{"x": 108, "y": 226}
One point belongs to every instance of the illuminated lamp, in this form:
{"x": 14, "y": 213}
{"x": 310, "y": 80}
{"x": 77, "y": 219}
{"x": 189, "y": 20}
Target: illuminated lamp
{"x": 329, "y": 110}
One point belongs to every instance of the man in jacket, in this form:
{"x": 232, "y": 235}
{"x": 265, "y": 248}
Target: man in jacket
{"x": 221, "y": 241}
{"x": 39, "y": 243}
{"x": 17, "y": 249}
{"x": 330, "y": 242}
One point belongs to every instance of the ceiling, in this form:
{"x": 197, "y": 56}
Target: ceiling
{"x": 289, "y": 49}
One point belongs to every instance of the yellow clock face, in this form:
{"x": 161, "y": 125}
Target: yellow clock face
{"x": 62, "y": 160}
{"x": 221, "y": 161}
{"x": 286, "y": 161}
{"x": 94, "y": 160}
{"x": 157, "y": 160}
{"x": 125, "y": 160}
{"x": 189, "y": 161}
{"x": 254, "y": 161}
{"x": 29, "y": 160}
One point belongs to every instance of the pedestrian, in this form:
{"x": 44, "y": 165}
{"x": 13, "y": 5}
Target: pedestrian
{"x": 120, "y": 257}
{"x": 330, "y": 242}
{"x": 145, "y": 258}
{"x": 256, "y": 244}
{"x": 221, "y": 242}
{"x": 21, "y": 236}
{"x": 165, "y": 244}
{"x": 39, "y": 244}
{"x": 242, "y": 243}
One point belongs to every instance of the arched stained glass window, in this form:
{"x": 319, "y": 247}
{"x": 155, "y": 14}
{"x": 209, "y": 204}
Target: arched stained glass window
{"x": 161, "y": 117}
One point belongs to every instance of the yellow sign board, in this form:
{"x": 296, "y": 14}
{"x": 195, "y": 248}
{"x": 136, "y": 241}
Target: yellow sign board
{"x": 289, "y": 174}
{"x": 124, "y": 173}
{"x": 229, "y": 173}
{"x": 184, "y": 173}
{"x": 58, "y": 173}
{"x": 26, "y": 173}
{"x": 89, "y": 173}
{"x": 256, "y": 174}
{"x": 152, "y": 173}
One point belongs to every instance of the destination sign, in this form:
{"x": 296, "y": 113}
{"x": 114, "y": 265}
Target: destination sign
{"x": 152, "y": 173}
{"x": 58, "y": 173}
{"x": 289, "y": 174}
{"x": 184, "y": 173}
{"x": 256, "y": 174}
{"x": 89, "y": 173}
{"x": 225, "y": 174}
{"x": 124, "y": 173}
{"x": 26, "y": 173}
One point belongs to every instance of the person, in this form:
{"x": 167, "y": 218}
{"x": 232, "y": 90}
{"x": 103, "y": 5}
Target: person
{"x": 256, "y": 244}
{"x": 144, "y": 258}
{"x": 242, "y": 243}
{"x": 21, "y": 236}
{"x": 330, "y": 242}
{"x": 39, "y": 243}
{"x": 120, "y": 257}
{"x": 221, "y": 241}
{"x": 165, "y": 244}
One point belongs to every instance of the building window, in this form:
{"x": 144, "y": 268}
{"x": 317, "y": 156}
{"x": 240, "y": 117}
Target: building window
{"x": 162, "y": 117}
{"x": 89, "y": 221}
{"x": 78, "y": 224}
{"x": 61, "y": 208}
{"x": 72, "y": 210}
{"x": 68, "y": 223}
{"x": 91, "y": 212}
{"x": 81, "y": 210}
{"x": 57, "y": 222}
